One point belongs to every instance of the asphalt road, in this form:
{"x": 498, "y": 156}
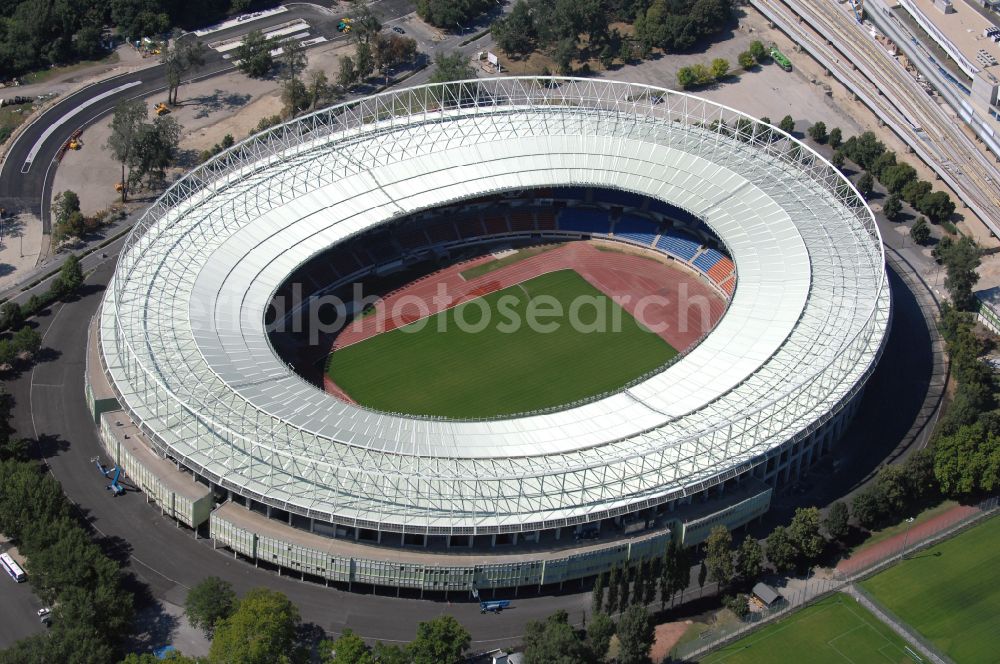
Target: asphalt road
{"x": 19, "y": 605}
{"x": 29, "y": 168}
{"x": 50, "y": 408}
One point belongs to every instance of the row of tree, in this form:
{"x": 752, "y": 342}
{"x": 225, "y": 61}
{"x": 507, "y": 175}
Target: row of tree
{"x": 555, "y": 641}
{"x": 570, "y": 30}
{"x": 641, "y": 583}
{"x": 92, "y": 609}
{"x": 35, "y": 34}
{"x": 264, "y": 627}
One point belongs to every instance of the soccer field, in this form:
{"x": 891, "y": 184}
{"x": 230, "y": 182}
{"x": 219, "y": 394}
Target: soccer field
{"x": 437, "y": 367}
{"x": 950, "y": 593}
{"x": 836, "y": 630}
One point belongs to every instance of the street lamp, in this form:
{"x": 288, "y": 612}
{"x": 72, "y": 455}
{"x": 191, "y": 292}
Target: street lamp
{"x": 909, "y": 522}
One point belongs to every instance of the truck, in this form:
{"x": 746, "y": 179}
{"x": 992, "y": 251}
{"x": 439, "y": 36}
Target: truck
{"x": 494, "y": 605}
{"x": 780, "y": 59}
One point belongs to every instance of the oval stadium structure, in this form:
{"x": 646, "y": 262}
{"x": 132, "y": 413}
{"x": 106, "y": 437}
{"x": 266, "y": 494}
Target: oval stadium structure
{"x": 198, "y": 408}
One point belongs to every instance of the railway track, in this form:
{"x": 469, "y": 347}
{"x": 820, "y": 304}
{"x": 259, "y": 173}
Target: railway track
{"x": 843, "y": 45}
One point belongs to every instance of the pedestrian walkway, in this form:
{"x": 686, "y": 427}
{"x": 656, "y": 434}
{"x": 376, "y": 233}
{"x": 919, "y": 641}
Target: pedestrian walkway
{"x": 899, "y": 629}
{"x": 894, "y": 545}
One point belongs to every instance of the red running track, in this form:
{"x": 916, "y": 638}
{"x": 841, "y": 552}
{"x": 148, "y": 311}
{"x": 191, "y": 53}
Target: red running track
{"x": 665, "y": 297}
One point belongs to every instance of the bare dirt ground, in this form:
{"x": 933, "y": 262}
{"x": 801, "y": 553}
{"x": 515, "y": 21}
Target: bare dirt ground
{"x": 665, "y": 637}
{"x": 20, "y": 239}
{"x": 207, "y": 111}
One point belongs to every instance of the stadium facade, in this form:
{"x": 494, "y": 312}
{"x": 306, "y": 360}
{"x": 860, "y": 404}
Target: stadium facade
{"x": 197, "y": 407}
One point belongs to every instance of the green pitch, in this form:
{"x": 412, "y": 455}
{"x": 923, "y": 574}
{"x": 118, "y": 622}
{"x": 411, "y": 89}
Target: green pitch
{"x": 950, "y": 593}
{"x": 420, "y": 369}
{"x": 836, "y": 630}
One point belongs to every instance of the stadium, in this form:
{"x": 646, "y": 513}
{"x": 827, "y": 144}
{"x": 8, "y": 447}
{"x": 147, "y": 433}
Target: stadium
{"x": 400, "y": 460}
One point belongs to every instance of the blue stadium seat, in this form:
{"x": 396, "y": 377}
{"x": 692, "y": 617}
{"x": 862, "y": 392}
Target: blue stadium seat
{"x": 707, "y": 260}
{"x": 635, "y": 229}
{"x": 594, "y": 222}
{"x": 678, "y": 244}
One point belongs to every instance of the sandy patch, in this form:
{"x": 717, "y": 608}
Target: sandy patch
{"x": 665, "y": 637}
{"x": 207, "y": 111}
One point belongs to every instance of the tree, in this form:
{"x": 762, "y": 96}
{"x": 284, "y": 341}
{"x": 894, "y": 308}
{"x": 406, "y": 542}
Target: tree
{"x": 515, "y": 34}
{"x": 702, "y": 575}
{"x": 865, "y": 508}
{"x": 720, "y": 68}
{"x": 599, "y": 632}
{"x": 348, "y": 74}
{"x": 865, "y": 185}
{"x": 70, "y": 277}
{"x": 613, "y": 585}
{"x": 597, "y": 596}
{"x": 921, "y": 231}
{"x": 746, "y": 61}
{"x": 126, "y": 130}
{"x": 750, "y": 559}
{"x": 882, "y": 161}
{"x": 896, "y": 177}
{"x": 892, "y": 207}
{"x": 719, "y": 556}
{"x": 260, "y": 631}
{"x": 938, "y": 206}
{"x": 805, "y": 536}
{"x": 758, "y": 51}
{"x": 294, "y": 96}
{"x": 780, "y": 549}
{"x": 364, "y": 60}
{"x": 682, "y": 573}
{"x": 292, "y": 59}
{"x": 837, "y": 160}
{"x": 254, "y": 55}
{"x": 208, "y": 603}
{"x": 318, "y": 88}
{"x": 69, "y": 221}
{"x": 686, "y": 78}
{"x": 624, "y": 588}
{"x": 450, "y": 13}
{"x": 155, "y": 149}
{"x": 439, "y": 641}
{"x": 553, "y": 641}
{"x": 738, "y": 604}
{"x": 863, "y": 150}
{"x": 348, "y": 648}
{"x": 787, "y": 124}
{"x": 961, "y": 258}
{"x": 635, "y": 636}
{"x": 817, "y": 132}
{"x": 8, "y": 356}
{"x": 967, "y": 462}
{"x": 11, "y": 316}
{"x": 180, "y": 58}
{"x": 915, "y": 190}
{"x": 836, "y": 138}
{"x": 451, "y": 67}
{"x": 836, "y": 521}
{"x": 27, "y": 341}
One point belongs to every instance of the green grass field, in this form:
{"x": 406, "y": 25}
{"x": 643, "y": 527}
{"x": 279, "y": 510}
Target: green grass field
{"x": 950, "y": 593}
{"x": 836, "y": 630}
{"x": 418, "y": 369}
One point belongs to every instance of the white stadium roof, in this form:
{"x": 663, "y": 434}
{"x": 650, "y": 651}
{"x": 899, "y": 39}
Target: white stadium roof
{"x": 184, "y": 343}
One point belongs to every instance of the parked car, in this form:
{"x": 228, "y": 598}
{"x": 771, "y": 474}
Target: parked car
{"x": 398, "y": 30}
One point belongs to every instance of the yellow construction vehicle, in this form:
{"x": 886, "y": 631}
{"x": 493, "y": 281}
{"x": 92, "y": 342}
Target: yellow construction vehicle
{"x": 74, "y": 144}
{"x": 162, "y": 109}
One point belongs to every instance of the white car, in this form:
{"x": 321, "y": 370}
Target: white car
{"x": 43, "y": 612}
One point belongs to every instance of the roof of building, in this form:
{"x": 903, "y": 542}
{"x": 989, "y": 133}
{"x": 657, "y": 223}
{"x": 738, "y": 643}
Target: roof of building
{"x": 183, "y": 322}
{"x": 765, "y": 593}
